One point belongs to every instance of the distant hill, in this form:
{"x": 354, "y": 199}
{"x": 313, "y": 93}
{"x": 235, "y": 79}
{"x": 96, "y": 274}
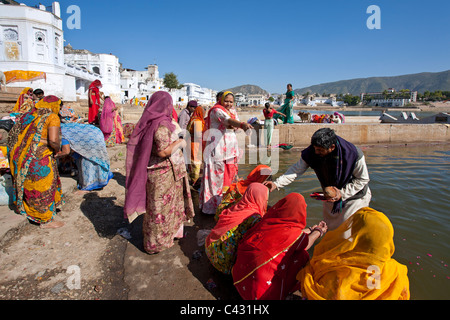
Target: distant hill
{"x": 420, "y": 82}
{"x": 248, "y": 89}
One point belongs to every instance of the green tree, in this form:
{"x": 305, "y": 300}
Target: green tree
{"x": 351, "y": 100}
{"x": 171, "y": 81}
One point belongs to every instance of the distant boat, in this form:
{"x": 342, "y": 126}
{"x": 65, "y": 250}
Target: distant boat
{"x": 412, "y": 118}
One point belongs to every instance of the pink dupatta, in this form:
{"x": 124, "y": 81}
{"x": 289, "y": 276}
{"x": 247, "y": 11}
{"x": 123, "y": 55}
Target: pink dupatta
{"x": 139, "y": 148}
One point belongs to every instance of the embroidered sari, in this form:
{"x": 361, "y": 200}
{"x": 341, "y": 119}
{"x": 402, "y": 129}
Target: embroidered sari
{"x": 37, "y": 186}
{"x": 271, "y": 253}
{"x": 222, "y": 243}
{"x": 24, "y": 104}
{"x": 287, "y": 108}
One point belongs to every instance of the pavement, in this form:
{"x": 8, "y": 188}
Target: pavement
{"x": 106, "y": 251}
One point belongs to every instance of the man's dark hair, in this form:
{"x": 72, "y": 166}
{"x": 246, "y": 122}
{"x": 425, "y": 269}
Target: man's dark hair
{"x": 38, "y": 92}
{"x": 219, "y": 95}
{"x": 324, "y": 138}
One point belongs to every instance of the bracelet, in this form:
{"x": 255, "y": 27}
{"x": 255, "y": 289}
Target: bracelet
{"x": 317, "y": 229}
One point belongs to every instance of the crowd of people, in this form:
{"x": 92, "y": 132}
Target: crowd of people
{"x": 264, "y": 250}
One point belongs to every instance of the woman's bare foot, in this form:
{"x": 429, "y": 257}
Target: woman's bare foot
{"x": 52, "y": 225}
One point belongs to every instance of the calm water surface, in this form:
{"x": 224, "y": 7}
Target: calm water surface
{"x": 410, "y": 185}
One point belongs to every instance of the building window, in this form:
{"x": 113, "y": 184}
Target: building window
{"x": 10, "y": 34}
{"x": 96, "y": 70}
{"x": 39, "y": 37}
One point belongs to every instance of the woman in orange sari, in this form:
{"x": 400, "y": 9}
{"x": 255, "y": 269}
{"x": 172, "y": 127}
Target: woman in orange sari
{"x": 33, "y": 143}
{"x": 271, "y": 253}
{"x": 24, "y": 102}
{"x": 196, "y": 128}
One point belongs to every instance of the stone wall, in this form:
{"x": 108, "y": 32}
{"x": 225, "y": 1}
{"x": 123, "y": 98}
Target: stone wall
{"x": 366, "y": 134}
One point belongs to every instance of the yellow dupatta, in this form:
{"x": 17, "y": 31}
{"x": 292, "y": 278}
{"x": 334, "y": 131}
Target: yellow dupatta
{"x": 354, "y": 262}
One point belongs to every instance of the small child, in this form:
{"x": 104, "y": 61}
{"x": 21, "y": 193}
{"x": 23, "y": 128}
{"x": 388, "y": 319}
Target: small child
{"x": 269, "y": 112}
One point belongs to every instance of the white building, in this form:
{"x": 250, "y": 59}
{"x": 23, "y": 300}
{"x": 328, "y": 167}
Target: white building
{"x": 31, "y": 39}
{"x": 105, "y": 67}
{"x": 203, "y": 96}
{"x": 140, "y": 84}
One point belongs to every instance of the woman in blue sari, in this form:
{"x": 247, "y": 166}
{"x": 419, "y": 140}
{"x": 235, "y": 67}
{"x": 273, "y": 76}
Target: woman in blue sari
{"x": 88, "y": 144}
{"x": 288, "y": 107}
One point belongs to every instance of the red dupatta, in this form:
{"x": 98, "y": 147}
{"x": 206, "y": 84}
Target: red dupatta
{"x": 265, "y": 243}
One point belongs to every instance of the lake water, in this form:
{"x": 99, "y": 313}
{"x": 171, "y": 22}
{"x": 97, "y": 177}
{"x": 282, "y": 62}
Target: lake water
{"x": 410, "y": 185}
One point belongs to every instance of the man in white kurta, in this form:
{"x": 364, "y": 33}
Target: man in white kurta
{"x": 355, "y": 194}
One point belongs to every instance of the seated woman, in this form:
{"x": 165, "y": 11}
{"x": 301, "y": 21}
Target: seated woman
{"x": 260, "y": 174}
{"x": 221, "y": 243}
{"x": 24, "y": 103}
{"x": 89, "y": 150}
{"x": 271, "y": 254}
{"x": 354, "y": 262}
{"x": 110, "y": 124}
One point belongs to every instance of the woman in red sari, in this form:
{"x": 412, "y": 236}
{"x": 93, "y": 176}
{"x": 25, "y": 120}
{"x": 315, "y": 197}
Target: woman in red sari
{"x": 272, "y": 253}
{"x": 95, "y": 97}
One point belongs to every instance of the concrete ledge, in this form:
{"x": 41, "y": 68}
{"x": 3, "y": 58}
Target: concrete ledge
{"x": 362, "y": 134}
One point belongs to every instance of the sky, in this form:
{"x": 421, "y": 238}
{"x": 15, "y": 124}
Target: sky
{"x": 223, "y": 44}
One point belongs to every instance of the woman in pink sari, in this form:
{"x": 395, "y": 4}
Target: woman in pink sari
{"x": 110, "y": 124}
{"x": 157, "y": 184}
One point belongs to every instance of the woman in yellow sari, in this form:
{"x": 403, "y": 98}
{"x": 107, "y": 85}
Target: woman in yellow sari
{"x": 354, "y": 262}
{"x": 196, "y": 127}
{"x": 33, "y": 142}
{"x": 24, "y": 102}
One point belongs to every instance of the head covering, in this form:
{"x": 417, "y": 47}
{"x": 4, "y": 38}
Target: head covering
{"x": 192, "y": 103}
{"x": 139, "y": 148}
{"x": 225, "y": 94}
{"x": 96, "y": 85}
{"x": 253, "y": 202}
{"x": 345, "y": 259}
{"x": 197, "y": 115}
{"x": 340, "y": 115}
{"x": 107, "y": 116}
{"x": 21, "y": 98}
{"x": 277, "y": 231}
{"x": 51, "y": 103}
{"x": 347, "y": 155}
{"x": 175, "y": 115}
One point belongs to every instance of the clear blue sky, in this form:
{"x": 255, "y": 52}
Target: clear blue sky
{"x": 222, "y": 44}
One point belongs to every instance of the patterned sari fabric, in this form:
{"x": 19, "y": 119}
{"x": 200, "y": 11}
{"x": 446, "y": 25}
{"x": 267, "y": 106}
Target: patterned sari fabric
{"x": 36, "y": 180}
{"x": 169, "y": 201}
{"x": 24, "y": 104}
{"x": 222, "y": 243}
{"x": 354, "y": 262}
{"x": 93, "y": 160}
{"x": 271, "y": 253}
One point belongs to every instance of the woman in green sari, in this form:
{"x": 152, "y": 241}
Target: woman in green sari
{"x": 288, "y": 107}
